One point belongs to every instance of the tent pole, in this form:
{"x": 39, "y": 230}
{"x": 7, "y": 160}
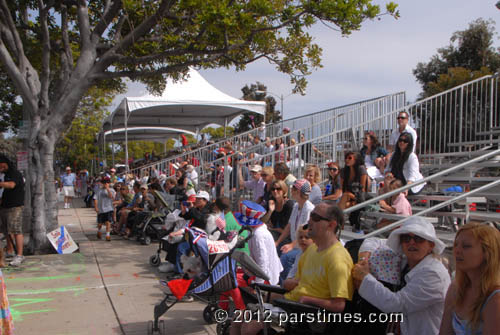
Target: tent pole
{"x": 126, "y": 137}
{"x": 104, "y": 151}
{"x": 112, "y": 145}
{"x": 225, "y": 126}
{"x": 165, "y": 147}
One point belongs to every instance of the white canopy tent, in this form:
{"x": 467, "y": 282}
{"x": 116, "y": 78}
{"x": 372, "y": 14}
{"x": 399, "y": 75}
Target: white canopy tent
{"x": 187, "y": 105}
{"x": 155, "y": 134}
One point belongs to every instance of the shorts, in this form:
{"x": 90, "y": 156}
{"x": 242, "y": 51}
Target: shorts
{"x": 105, "y": 217}
{"x": 69, "y": 191}
{"x": 11, "y": 220}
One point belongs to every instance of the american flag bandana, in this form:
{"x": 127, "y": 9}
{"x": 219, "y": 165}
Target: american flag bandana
{"x": 220, "y": 222}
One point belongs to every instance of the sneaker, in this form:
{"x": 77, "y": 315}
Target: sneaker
{"x": 187, "y": 298}
{"x": 108, "y": 238}
{"x": 99, "y": 235}
{"x": 17, "y": 260}
{"x": 166, "y": 267}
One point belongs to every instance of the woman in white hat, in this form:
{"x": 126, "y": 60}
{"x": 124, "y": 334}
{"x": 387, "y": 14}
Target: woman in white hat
{"x": 425, "y": 279}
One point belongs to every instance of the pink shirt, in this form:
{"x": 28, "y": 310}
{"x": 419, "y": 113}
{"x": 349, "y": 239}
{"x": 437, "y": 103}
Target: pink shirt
{"x": 401, "y": 205}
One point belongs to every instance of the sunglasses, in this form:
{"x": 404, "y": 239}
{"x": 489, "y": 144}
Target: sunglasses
{"x": 401, "y": 117}
{"x": 333, "y": 169}
{"x": 276, "y": 189}
{"x": 406, "y": 238}
{"x": 264, "y": 175}
{"x": 317, "y": 218}
{"x": 404, "y": 140}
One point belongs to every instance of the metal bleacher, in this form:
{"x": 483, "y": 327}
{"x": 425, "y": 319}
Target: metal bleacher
{"x": 311, "y": 125}
{"x": 458, "y": 127}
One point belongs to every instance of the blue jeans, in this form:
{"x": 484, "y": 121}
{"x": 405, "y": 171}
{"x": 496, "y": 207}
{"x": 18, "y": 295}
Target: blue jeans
{"x": 287, "y": 261}
{"x": 182, "y": 249}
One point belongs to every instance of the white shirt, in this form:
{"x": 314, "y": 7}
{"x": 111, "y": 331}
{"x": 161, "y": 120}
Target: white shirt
{"x": 299, "y": 217}
{"x": 421, "y": 301}
{"x": 263, "y": 252}
{"x": 193, "y": 176}
{"x": 393, "y": 140}
{"x": 411, "y": 171}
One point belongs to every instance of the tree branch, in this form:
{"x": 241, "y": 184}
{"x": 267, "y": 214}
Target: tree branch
{"x": 109, "y": 13}
{"x": 84, "y": 24}
{"x": 17, "y": 77}
{"x": 138, "y": 32}
{"x": 7, "y": 20}
{"x": 45, "y": 73}
{"x": 67, "y": 52}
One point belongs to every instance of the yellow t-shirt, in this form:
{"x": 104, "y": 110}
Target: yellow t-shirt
{"x": 325, "y": 274}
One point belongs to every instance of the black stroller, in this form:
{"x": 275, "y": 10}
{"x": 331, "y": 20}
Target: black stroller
{"x": 152, "y": 226}
{"x": 217, "y": 277}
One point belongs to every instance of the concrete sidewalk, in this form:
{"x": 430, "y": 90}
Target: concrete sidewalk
{"x": 104, "y": 288}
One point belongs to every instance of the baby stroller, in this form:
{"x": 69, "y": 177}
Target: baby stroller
{"x": 216, "y": 279}
{"x": 152, "y": 226}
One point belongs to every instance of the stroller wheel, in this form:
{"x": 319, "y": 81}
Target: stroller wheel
{"x": 162, "y": 328}
{"x": 155, "y": 260}
{"x": 146, "y": 240}
{"x": 208, "y": 314}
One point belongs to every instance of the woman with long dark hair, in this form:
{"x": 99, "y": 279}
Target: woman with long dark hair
{"x": 404, "y": 163}
{"x": 353, "y": 172}
{"x": 333, "y": 190}
{"x": 373, "y": 155}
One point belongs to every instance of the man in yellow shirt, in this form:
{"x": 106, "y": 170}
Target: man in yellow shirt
{"x": 323, "y": 277}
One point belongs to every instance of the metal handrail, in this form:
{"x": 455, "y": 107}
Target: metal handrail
{"x": 431, "y": 209}
{"x": 270, "y": 127}
{"x": 422, "y": 181}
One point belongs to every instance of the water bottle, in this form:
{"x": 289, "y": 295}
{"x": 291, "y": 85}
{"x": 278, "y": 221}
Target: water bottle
{"x": 327, "y": 189}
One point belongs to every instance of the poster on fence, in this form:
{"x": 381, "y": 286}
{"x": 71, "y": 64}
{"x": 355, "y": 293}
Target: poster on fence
{"x": 62, "y": 241}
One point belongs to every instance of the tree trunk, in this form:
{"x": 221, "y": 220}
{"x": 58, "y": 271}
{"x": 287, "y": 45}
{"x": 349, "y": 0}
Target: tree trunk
{"x": 41, "y": 193}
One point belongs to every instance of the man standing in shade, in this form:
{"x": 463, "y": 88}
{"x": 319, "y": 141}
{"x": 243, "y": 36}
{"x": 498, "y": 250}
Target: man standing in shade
{"x": 68, "y": 181}
{"x": 403, "y": 126}
{"x": 11, "y": 210}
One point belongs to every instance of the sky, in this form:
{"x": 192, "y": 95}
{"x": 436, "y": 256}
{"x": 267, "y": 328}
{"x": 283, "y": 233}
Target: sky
{"x": 374, "y": 61}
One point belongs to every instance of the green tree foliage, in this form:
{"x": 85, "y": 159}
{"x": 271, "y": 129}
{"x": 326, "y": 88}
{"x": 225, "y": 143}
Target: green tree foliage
{"x": 218, "y": 132}
{"x": 78, "y": 147}
{"x": 470, "y": 49}
{"x": 55, "y": 51}
{"x": 470, "y": 55}
{"x": 257, "y": 92}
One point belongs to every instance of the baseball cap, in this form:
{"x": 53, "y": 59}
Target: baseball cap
{"x": 68, "y": 168}
{"x": 303, "y": 186}
{"x": 144, "y": 186}
{"x": 256, "y": 168}
{"x": 189, "y": 168}
{"x": 113, "y": 170}
{"x": 203, "y": 195}
{"x": 286, "y": 129}
{"x": 105, "y": 180}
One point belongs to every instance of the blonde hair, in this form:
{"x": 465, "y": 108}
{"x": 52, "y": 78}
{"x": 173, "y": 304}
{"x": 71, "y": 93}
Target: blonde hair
{"x": 316, "y": 172}
{"x": 489, "y": 238}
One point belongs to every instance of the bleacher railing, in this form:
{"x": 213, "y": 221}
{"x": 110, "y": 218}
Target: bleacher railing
{"x": 439, "y": 133}
{"x": 311, "y": 125}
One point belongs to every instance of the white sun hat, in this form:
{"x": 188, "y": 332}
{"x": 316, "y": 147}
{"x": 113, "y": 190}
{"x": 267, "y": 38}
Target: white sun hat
{"x": 418, "y": 226}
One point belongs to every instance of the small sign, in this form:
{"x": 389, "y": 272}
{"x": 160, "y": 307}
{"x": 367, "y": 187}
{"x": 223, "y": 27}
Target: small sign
{"x": 217, "y": 247}
{"x": 24, "y": 127}
{"x": 22, "y": 160}
{"x": 62, "y": 241}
